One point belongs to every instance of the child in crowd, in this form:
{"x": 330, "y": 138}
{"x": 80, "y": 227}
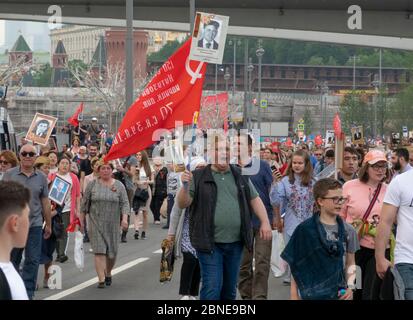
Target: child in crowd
{"x": 321, "y": 250}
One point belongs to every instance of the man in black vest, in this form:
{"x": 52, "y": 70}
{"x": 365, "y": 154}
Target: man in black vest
{"x": 221, "y": 203}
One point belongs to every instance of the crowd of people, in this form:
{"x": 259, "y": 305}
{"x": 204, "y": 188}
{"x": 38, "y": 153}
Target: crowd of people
{"x": 220, "y": 219}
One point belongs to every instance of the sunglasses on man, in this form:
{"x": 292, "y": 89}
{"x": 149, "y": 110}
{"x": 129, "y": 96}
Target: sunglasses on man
{"x": 27, "y": 154}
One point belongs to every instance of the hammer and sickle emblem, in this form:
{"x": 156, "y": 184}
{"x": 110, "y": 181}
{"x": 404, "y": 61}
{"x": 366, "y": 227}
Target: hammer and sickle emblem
{"x": 194, "y": 74}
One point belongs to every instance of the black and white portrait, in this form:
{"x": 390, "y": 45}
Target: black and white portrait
{"x": 41, "y": 129}
{"x": 208, "y": 36}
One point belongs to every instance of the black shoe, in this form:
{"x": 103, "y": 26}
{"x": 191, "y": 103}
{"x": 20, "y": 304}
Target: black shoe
{"x": 143, "y": 237}
{"x": 63, "y": 259}
{"x": 123, "y": 237}
{"x": 165, "y": 227}
{"x": 137, "y": 235}
{"x": 58, "y": 258}
{"x": 86, "y": 239}
{"x": 108, "y": 280}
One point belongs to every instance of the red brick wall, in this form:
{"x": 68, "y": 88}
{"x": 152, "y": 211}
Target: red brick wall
{"x": 115, "y": 46}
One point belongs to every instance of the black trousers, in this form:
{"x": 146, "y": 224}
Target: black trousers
{"x": 190, "y": 275}
{"x": 371, "y": 283}
{"x": 156, "y": 205}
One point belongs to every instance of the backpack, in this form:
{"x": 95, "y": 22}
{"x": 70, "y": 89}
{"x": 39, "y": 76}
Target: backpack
{"x": 5, "y": 292}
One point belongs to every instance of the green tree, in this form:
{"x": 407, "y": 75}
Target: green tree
{"x": 315, "y": 61}
{"x": 43, "y": 77}
{"x": 400, "y": 111}
{"x": 354, "y": 111}
{"x": 166, "y": 51}
{"x": 308, "y": 122}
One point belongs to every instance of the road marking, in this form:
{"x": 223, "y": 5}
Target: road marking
{"x": 158, "y": 251}
{"x": 95, "y": 280}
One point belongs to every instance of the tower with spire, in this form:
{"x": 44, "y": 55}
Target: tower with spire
{"x": 60, "y": 74}
{"x": 21, "y": 53}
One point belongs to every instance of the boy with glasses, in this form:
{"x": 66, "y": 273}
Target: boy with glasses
{"x": 321, "y": 250}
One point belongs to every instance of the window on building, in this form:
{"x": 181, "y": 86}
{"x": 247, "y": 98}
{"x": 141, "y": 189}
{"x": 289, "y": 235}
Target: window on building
{"x": 305, "y": 74}
{"x": 282, "y": 74}
{"x": 272, "y": 72}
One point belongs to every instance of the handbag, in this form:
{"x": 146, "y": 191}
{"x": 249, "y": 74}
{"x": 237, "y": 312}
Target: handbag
{"x": 57, "y": 226}
{"x": 140, "y": 198}
{"x": 167, "y": 260}
{"x": 362, "y": 226}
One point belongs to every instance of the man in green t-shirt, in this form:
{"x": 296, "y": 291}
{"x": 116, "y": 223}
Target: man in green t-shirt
{"x": 221, "y": 203}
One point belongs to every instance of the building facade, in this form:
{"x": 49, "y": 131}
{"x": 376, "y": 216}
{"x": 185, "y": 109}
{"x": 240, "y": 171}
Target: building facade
{"x": 80, "y": 41}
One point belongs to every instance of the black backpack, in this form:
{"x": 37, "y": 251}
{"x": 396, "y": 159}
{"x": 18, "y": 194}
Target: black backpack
{"x": 5, "y": 292}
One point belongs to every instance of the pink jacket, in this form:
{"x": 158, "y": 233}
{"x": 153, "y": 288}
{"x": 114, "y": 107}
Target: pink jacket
{"x": 75, "y": 194}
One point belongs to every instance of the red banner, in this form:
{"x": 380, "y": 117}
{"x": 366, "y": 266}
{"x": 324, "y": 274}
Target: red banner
{"x": 74, "y": 120}
{"x": 214, "y": 112}
{"x": 173, "y": 94}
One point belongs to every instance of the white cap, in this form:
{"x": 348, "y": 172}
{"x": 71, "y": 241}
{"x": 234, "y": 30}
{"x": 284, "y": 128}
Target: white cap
{"x": 94, "y": 119}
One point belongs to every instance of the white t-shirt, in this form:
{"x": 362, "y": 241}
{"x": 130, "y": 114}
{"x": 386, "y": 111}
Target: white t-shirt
{"x": 68, "y": 200}
{"x": 399, "y": 194}
{"x": 16, "y": 284}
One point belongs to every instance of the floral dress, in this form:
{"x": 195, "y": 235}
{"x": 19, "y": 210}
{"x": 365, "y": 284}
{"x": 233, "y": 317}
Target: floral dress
{"x": 295, "y": 200}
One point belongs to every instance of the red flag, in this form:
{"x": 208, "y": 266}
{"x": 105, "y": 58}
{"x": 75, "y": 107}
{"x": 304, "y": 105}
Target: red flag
{"x": 337, "y": 125}
{"x": 174, "y": 94}
{"x": 73, "y": 120}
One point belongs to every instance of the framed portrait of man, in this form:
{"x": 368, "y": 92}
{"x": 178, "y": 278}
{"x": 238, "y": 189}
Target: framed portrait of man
{"x": 357, "y": 135}
{"x": 208, "y": 37}
{"x": 59, "y": 190}
{"x": 330, "y": 139}
{"x": 41, "y": 128}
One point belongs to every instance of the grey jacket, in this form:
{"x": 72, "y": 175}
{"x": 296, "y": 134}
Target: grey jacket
{"x": 176, "y": 226}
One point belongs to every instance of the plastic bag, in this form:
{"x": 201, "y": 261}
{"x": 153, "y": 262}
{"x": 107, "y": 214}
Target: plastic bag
{"x": 79, "y": 253}
{"x": 278, "y": 265}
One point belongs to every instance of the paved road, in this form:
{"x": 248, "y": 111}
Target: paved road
{"x": 136, "y": 275}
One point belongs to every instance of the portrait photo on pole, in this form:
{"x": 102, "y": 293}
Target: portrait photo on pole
{"x": 40, "y": 129}
{"x": 208, "y": 37}
{"x": 357, "y": 135}
{"x": 59, "y": 190}
{"x": 329, "y": 138}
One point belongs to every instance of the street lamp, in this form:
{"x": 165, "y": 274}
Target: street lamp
{"x": 322, "y": 86}
{"x": 250, "y": 68}
{"x": 227, "y": 76}
{"x": 260, "y": 52}
{"x": 234, "y": 43}
{"x": 376, "y": 84}
{"x": 354, "y": 58}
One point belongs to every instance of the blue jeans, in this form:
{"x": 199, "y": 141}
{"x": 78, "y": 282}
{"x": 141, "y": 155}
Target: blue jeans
{"x": 219, "y": 271}
{"x": 32, "y": 254}
{"x": 406, "y": 272}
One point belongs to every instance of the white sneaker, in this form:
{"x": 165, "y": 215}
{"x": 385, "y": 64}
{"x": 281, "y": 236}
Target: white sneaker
{"x": 186, "y": 298}
{"x": 192, "y": 298}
